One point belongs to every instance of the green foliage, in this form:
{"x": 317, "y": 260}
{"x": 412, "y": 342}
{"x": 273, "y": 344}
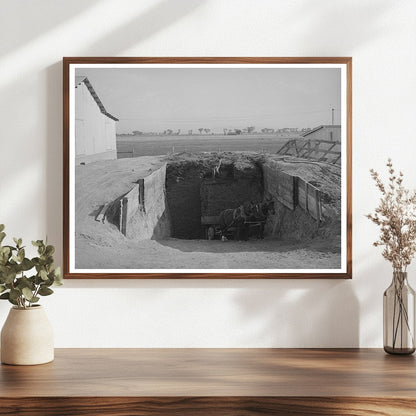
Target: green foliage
{"x": 15, "y": 285}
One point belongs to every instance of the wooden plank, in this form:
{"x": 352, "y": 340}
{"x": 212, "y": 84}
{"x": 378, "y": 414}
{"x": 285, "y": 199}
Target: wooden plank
{"x": 141, "y": 195}
{"x": 123, "y": 215}
{"x": 327, "y": 141}
{"x": 302, "y": 194}
{"x": 328, "y": 150}
{"x": 281, "y": 185}
{"x": 284, "y": 148}
{"x": 208, "y": 406}
{"x": 314, "y": 202}
{"x": 200, "y": 382}
{"x": 285, "y": 189}
{"x": 337, "y": 159}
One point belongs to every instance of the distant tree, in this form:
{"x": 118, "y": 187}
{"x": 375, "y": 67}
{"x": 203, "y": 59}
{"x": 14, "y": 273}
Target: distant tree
{"x": 250, "y": 129}
{"x": 225, "y": 131}
{"x": 190, "y": 132}
{"x": 178, "y": 132}
{"x": 169, "y": 132}
{"x": 238, "y": 131}
{"x": 200, "y": 130}
{"x": 207, "y": 130}
{"x": 137, "y": 132}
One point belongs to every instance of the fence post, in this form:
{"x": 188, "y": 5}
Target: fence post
{"x": 295, "y": 192}
{"x": 123, "y": 215}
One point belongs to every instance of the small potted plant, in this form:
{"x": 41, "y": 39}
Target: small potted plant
{"x": 396, "y": 218}
{"x": 27, "y": 336}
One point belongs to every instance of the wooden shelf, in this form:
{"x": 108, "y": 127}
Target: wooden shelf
{"x": 212, "y": 382}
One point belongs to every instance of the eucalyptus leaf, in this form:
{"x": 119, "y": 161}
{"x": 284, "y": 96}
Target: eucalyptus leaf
{"x": 26, "y": 264}
{"x": 15, "y": 293}
{"x": 27, "y": 293}
{"x": 9, "y": 277}
{"x": 43, "y": 274}
{"x": 21, "y": 255}
{"x": 45, "y": 291}
{"x": 5, "y": 295}
{"x": 49, "y": 250}
{"x": 2, "y": 236}
{"x": 2, "y": 226}
{"x": 24, "y": 282}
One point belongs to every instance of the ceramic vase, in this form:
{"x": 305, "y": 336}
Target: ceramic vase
{"x": 27, "y": 337}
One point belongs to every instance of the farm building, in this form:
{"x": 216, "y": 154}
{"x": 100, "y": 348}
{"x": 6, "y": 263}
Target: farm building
{"x": 324, "y": 132}
{"x": 95, "y": 128}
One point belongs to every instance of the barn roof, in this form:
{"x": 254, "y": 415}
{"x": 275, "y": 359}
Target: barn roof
{"x": 323, "y": 126}
{"x": 85, "y": 80}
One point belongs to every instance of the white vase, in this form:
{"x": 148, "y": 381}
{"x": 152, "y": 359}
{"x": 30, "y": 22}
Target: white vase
{"x": 27, "y": 337}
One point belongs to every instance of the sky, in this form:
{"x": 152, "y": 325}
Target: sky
{"x": 157, "y": 99}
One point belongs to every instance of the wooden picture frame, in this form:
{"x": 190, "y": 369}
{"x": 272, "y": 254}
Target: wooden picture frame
{"x": 95, "y": 153}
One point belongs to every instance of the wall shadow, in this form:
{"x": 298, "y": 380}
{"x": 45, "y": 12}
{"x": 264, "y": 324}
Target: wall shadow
{"x": 302, "y": 314}
{"x": 153, "y": 20}
{"x": 44, "y": 17}
{"x": 336, "y": 17}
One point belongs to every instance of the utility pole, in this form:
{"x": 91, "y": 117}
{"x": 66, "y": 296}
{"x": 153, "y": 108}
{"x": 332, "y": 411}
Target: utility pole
{"x": 332, "y": 115}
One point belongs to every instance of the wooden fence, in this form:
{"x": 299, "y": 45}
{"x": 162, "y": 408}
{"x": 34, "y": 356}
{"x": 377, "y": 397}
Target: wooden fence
{"x": 309, "y": 199}
{"x": 281, "y": 186}
{"x": 292, "y": 191}
{"x": 319, "y": 150}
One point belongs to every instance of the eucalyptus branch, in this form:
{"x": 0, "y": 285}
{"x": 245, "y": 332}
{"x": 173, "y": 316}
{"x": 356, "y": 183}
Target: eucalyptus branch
{"x": 16, "y": 284}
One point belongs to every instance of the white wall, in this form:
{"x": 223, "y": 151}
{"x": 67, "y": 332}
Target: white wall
{"x": 380, "y": 35}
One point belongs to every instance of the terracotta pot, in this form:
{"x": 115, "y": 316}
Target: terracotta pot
{"x": 27, "y": 337}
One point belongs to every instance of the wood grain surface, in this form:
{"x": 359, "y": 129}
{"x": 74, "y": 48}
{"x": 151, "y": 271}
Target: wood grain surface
{"x": 212, "y": 381}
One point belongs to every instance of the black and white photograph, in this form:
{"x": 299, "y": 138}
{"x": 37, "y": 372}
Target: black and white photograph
{"x": 210, "y": 168}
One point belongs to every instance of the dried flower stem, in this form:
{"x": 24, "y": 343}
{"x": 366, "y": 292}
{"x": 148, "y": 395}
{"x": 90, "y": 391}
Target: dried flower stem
{"x": 396, "y": 217}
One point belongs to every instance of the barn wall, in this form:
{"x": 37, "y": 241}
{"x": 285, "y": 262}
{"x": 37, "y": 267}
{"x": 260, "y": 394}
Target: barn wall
{"x": 95, "y": 133}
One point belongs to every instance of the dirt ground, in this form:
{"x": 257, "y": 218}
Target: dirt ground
{"x": 203, "y": 254}
{"x": 102, "y": 246}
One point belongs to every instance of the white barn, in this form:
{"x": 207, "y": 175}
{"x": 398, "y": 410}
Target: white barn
{"x": 95, "y": 128}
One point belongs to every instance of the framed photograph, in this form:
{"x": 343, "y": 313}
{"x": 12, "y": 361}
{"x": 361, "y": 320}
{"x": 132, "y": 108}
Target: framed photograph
{"x": 207, "y": 168}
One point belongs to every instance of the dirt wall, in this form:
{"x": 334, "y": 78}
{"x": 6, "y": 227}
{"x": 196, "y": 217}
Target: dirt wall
{"x": 182, "y": 192}
{"x": 195, "y": 189}
{"x": 217, "y": 196}
{"x": 143, "y": 212}
{"x": 289, "y": 224}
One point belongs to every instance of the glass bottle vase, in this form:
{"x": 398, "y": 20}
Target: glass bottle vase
{"x": 399, "y": 316}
